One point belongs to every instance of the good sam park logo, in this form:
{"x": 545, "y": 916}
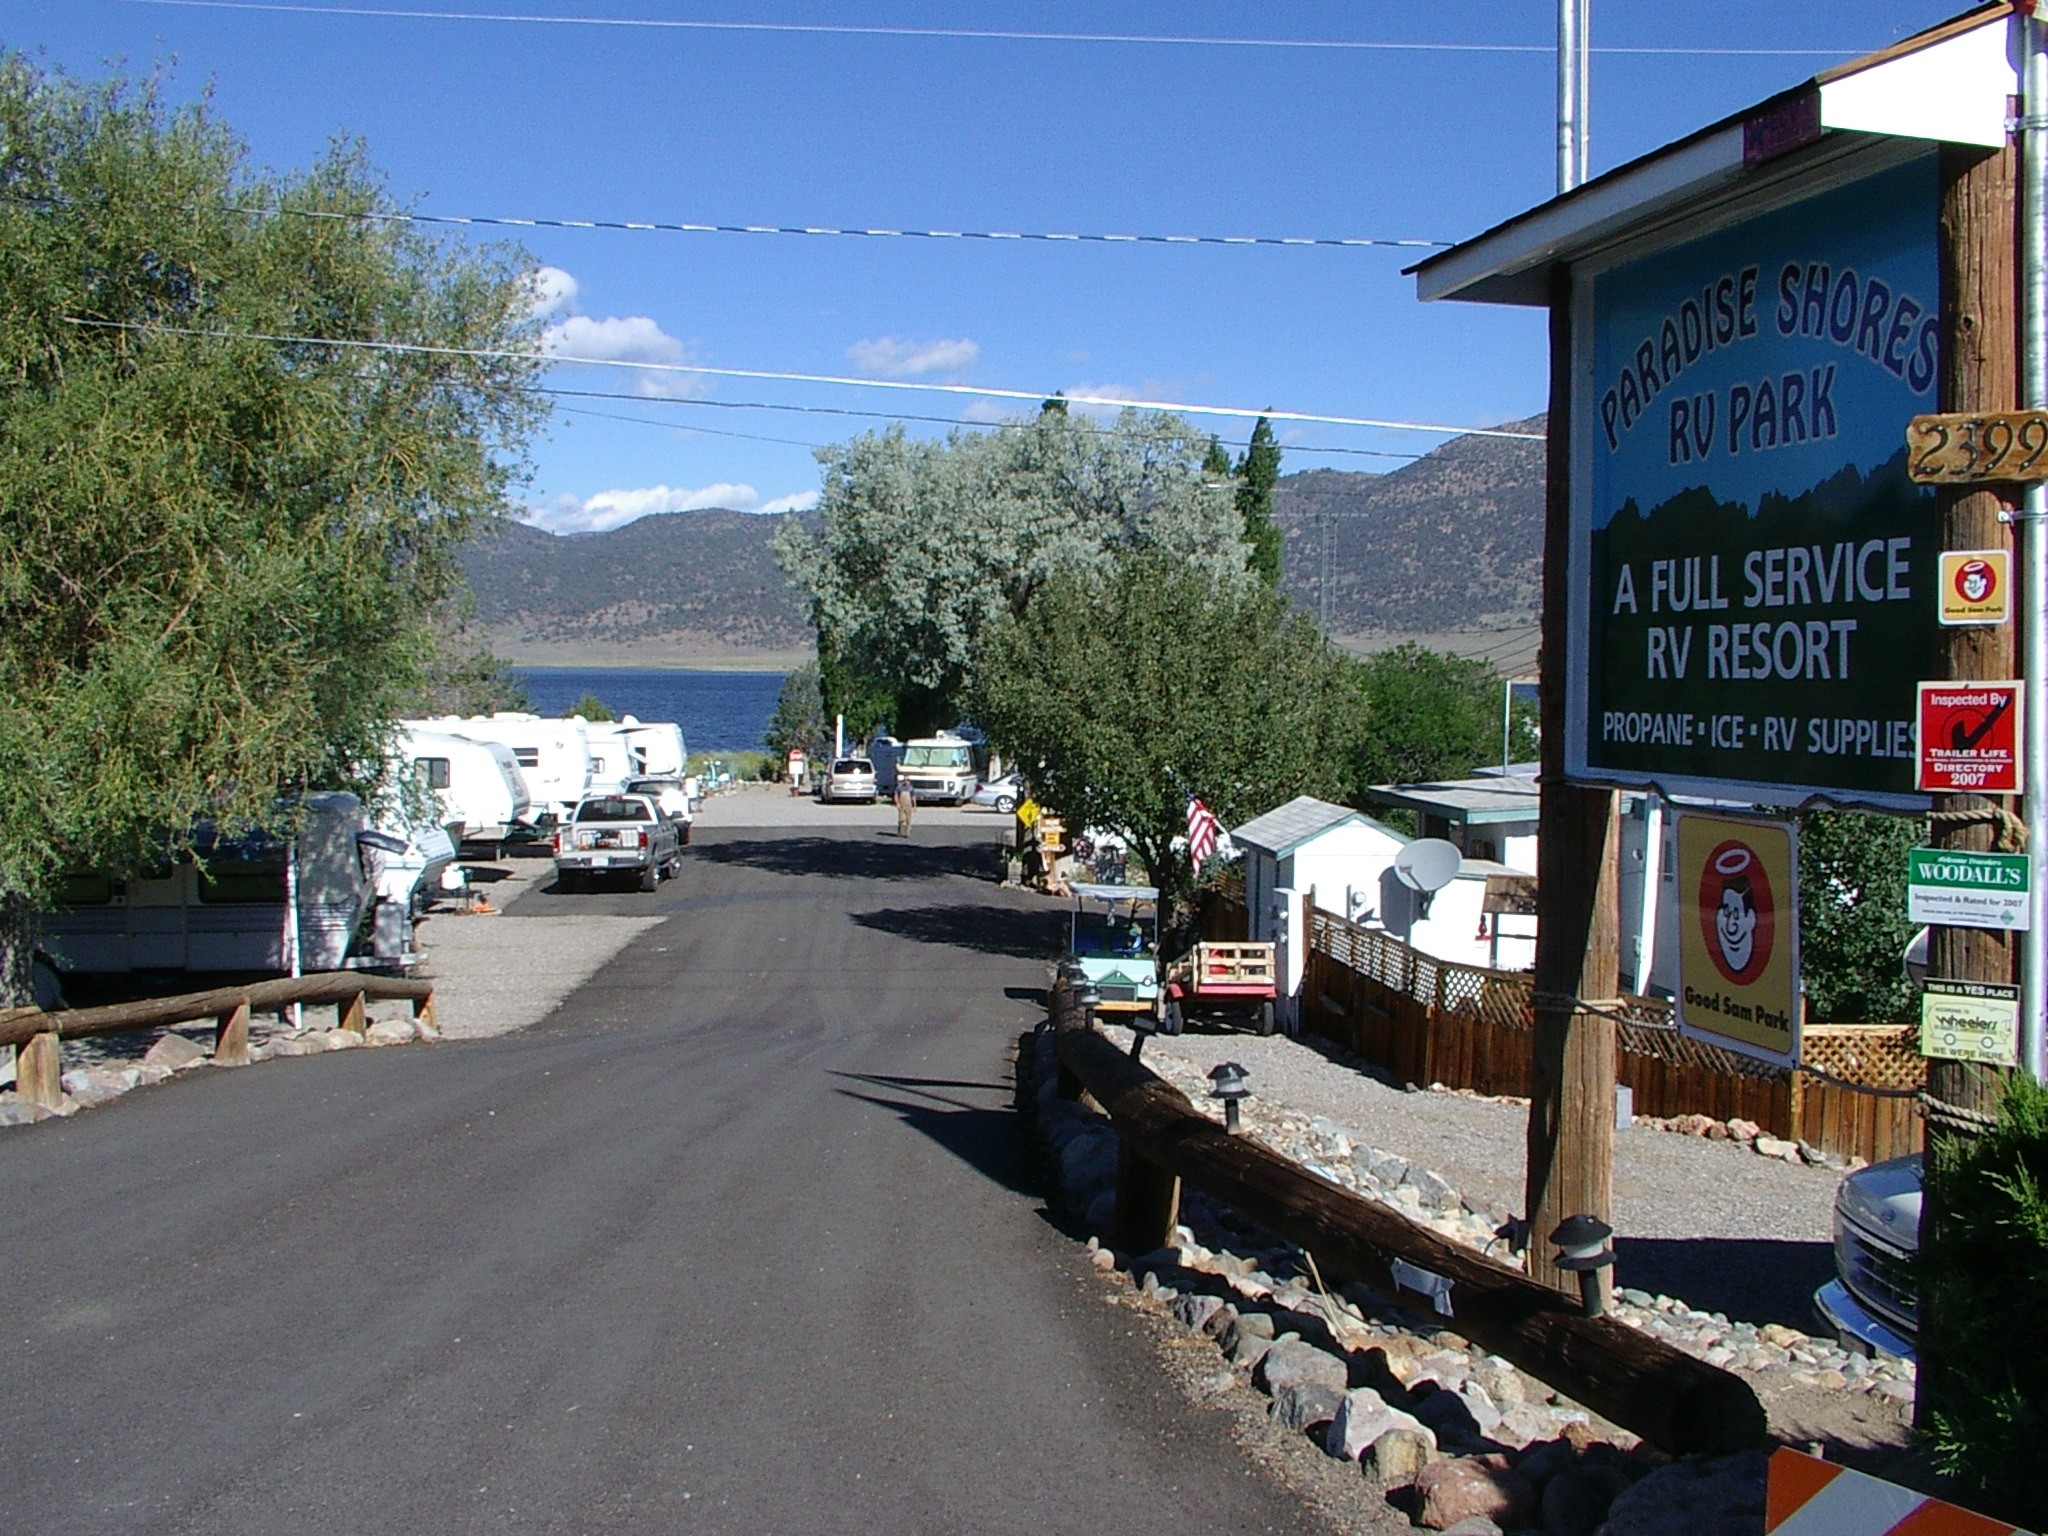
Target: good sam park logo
{"x": 1738, "y": 942}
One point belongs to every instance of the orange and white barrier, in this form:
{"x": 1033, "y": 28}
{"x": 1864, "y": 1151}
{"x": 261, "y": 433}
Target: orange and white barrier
{"x": 1810, "y": 1497}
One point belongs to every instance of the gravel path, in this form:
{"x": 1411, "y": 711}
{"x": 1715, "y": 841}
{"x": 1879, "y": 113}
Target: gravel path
{"x": 495, "y": 973}
{"x": 1710, "y": 1222}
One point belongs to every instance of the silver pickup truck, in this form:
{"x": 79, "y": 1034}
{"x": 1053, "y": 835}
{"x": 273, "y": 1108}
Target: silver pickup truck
{"x": 616, "y": 835}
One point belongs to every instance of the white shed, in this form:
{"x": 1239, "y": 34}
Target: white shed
{"x": 1311, "y": 845}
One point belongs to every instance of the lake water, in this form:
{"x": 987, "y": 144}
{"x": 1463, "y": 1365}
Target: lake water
{"x": 718, "y": 711}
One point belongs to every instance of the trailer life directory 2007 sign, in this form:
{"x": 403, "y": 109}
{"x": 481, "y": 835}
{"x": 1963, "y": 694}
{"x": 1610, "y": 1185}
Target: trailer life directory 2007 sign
{"x": 1754, "y": 572}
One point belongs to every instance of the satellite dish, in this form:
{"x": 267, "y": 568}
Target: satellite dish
{"x": 1428, "y": 864}
{"x": 1916, "y": 958}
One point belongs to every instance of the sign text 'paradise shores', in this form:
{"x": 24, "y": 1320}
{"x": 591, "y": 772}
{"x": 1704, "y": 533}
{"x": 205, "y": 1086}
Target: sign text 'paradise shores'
{"x": 1759, "y": 587}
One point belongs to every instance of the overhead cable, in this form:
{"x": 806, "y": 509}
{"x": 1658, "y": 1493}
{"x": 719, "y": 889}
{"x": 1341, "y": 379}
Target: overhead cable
{"x": 656, "y": 226}
{"x": 947, "y": 421}
{"x": 557, "y": 359}
{"x": 981, "y": 34}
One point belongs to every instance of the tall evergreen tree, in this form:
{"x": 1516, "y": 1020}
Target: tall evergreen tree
{"x": 1257, "y": 473}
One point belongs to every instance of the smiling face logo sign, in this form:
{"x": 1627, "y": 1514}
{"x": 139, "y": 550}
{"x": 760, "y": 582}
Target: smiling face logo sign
{"x": 1737, "y": 911}
{"x": 1973, "y": 586}
{"x": 1738, "y": 948}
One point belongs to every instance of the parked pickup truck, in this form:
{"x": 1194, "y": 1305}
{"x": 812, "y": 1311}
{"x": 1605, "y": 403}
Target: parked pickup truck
{"x": 613, "y": 835}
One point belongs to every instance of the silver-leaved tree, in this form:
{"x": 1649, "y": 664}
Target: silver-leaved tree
{"x": 921, "y": 545}
{"x": 219, "y": 552}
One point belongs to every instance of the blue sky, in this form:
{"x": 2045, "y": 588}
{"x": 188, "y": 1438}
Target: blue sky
{"x": 494, "y": 118}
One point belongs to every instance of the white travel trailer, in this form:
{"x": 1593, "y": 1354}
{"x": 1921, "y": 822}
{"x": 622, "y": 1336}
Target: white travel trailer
{"x": 233, "y": 915}
{"x": 656, "y": 746}
{"x": 479, "y": 786}
{"x": 553, "y": 756}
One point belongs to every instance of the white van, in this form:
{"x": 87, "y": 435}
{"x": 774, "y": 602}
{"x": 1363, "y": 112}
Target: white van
{"x": 553, "y": 756}
{"x": 479, "y": 785}
{"x": 233, "y": 916}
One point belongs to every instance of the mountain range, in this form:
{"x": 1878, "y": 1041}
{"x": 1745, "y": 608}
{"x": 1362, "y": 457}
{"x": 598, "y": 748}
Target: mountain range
{"x": 1449, "y": 544}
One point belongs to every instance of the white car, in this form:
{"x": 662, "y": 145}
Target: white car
{"x": 1002, "y": 793}
{"x": 849, "y": 778}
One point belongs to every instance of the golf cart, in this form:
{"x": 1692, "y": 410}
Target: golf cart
{"x": 1112, "y": 960}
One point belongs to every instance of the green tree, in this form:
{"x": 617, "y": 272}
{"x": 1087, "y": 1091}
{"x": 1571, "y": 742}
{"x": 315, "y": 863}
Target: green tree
{"x": 1852, "y": 915}
{"x": 1432, "y": 716}
{"x": 799, "y": 718}
{"x": 220, "y": 557}
{"x": 1122, "y": 693}
{"x": 1258, "y": 471}
{"x": 591, "y": 707}
{"x": 920, "y": 545}
{"x": 1216, "y": 462}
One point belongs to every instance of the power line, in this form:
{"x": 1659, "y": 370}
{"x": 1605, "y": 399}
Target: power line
{"x": 656, "y": 226}
{"x": 946, "y": 421}
{"x": 556, "y": 359}
{"x": 981, "y": 34}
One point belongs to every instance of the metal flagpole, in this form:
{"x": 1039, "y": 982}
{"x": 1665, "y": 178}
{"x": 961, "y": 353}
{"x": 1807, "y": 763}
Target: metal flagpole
{"x": 1567, "y": 94}
{"x": 2033, "y": 1058}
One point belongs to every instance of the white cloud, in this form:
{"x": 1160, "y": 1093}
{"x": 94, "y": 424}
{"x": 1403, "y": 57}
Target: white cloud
{"x": 552, "y": 291}
{"x": 614, "y": 509}
{"x": 802, "y": 501}
{"x": 989, "y": 412}
{"x": 894, "y": 357}
{"x": 615, "y": 339}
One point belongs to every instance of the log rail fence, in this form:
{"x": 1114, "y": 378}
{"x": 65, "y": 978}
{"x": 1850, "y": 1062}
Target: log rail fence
{"x": 1678, "y": 1403}
{"x": 39, "y": 1034}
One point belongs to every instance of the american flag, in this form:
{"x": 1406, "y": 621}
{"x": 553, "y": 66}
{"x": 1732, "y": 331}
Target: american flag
{"x": 1203, "y": 830}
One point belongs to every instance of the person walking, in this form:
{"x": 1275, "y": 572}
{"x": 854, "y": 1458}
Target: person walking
{"x": 906, "y": 807}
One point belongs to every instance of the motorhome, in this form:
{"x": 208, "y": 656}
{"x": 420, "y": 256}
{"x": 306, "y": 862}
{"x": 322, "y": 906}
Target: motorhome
{"x": 632, "y": 749}
{"x": 553, "y": 756}
{"x": 478, "y": 784}
{"x": 938, "y": 768}
{"x": 226, "y": 908}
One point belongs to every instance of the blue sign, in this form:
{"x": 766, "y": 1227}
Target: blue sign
{"x": 1758, "y": 575}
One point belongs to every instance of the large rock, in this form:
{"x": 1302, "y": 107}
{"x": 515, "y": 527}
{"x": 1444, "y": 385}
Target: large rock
{"x": 1577, "y": 1500}
{"x": 390, "y": 1032}
{"x": 174, "y": 1051}
{"x": 338, "y": 1039}
{"x": 1784, "y": 1151}
{"x": 1301, "y": 1406}
{"x": 1433, "y": 1189}
{"x": 1397, "y": 1457}
{"x": 1248, "y": 1325}
{"x": 1449, "y": 1491}
{"x": 95, "y": 1085}
{"x": 1722, "y": 1496}
{"x": 1362, "y": 1418}
{"x": 1088, "y": 1162}
{"x": 1194, "y": 1311}
{"x": 296, "y": 1045}
{"x": 1293, "y": 1362}
{"x": 15, "y": 1110}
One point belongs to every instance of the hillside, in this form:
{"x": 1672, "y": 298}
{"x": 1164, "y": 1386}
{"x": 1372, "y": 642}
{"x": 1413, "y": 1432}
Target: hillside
{"x": 696, "y": 586}
{"x": 1447, "y": 545}
{"x": 1453, "y": 541}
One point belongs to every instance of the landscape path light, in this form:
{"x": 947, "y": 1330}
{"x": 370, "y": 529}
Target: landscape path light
{"x": 1229, "y": 1081}
{"x": 1582, "y": 1248}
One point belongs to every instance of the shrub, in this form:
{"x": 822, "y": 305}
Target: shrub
{"x": 1985, "y": 1339}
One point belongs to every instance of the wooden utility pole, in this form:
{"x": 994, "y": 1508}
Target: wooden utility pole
{"x": 1578, "y": 893}
{"x": 1980, "y": 372}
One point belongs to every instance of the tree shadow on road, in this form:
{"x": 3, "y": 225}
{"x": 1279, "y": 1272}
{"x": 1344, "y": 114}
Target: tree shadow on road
{"x": 988, "y": 1140}
{"x": 883, "y": 857}
{"x": 987, "y": 930}
{"x": 1748, "y": 1279}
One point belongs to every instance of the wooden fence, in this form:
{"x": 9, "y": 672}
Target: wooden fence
{"x": 39, "y": 1033}
{"x": 1429, "y": 1021}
